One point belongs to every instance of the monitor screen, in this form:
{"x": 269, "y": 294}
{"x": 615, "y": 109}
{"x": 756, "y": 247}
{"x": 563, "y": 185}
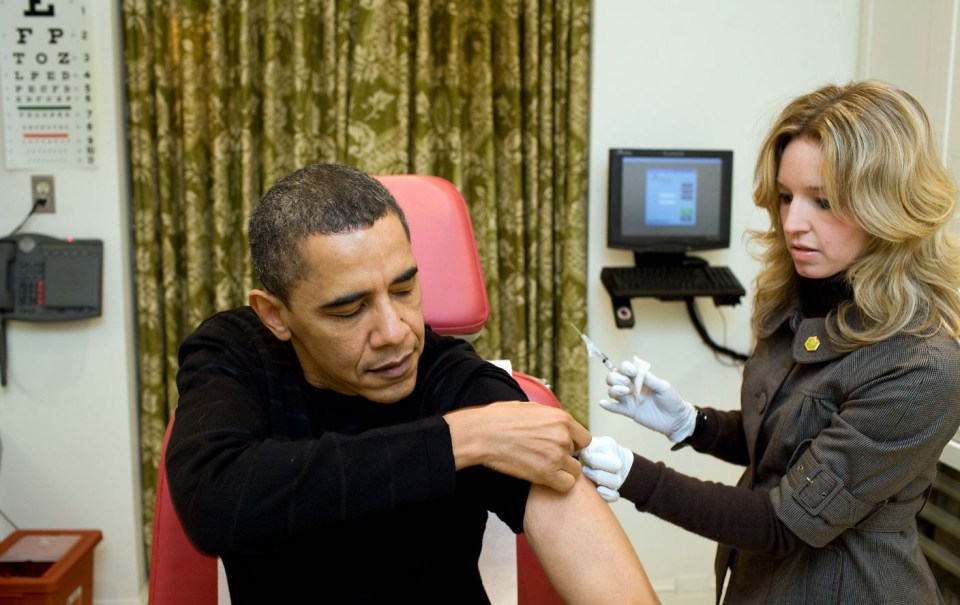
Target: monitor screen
{"x": 669, "y": 200}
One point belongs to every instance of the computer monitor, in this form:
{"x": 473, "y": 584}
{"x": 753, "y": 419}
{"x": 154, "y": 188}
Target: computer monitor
{"x": 664, "y": 203}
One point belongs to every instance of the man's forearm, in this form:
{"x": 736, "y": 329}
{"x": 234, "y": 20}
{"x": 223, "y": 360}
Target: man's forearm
{"x": 221, "y": 480}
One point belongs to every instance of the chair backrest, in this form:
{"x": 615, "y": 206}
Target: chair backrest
{"x": 454, "y": 294}
{"x": 454, "y": 303}
{"x": 179, "y": 573}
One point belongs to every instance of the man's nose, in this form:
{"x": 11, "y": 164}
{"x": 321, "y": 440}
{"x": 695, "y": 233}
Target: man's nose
{"x": 390, "y": 328}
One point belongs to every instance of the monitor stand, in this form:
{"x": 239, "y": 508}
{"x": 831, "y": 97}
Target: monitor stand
{"x": 667, "y": 259}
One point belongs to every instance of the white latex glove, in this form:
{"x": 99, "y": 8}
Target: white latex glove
{"x": 636, "y": 393}
{"x": 607, "y": 464}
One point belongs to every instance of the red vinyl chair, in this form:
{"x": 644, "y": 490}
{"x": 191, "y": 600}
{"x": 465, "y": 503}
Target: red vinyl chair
{"x": 454, "y": 303}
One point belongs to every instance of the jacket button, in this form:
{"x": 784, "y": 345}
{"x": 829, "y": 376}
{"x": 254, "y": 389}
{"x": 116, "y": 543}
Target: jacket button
{"x": 762, "y": 402}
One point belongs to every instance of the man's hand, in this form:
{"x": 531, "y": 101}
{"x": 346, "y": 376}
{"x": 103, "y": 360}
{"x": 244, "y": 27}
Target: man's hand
{"x": 522, "y": 439}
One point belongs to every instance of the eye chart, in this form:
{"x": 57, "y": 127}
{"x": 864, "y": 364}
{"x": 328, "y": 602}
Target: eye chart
{"x": 46, "y": 75}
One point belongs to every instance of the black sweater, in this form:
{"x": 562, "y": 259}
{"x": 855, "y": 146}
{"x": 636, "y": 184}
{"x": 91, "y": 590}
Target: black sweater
{"x": 310, "y": 496}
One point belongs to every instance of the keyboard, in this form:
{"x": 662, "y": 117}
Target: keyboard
{"x": 673, "y": 282}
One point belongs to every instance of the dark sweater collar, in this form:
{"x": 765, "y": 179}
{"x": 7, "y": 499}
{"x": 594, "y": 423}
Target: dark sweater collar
{"x": 820, "y": 296}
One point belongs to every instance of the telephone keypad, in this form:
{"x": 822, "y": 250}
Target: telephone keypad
{"x": 30, "y": 284}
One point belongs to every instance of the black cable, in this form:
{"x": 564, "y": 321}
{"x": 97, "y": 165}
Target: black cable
{"x": 3, "y": 351}
{"x": 8, "y": 520}
{"x": 695, "y": 318}
{"x": 33, "y": 211}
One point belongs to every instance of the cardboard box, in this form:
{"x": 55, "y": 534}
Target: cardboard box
{"x": 48, "y": 567}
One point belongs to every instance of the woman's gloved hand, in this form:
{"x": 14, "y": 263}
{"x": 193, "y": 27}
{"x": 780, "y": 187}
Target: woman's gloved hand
{"x": 636, "y": 393}
{"x": 606, "y": 463}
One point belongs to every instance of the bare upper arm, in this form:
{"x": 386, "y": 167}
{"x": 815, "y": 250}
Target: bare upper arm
{"x": 583, "y": 549}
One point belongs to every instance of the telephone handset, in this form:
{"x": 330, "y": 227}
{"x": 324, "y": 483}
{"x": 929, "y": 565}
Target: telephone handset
{"x": 43, "y": 278}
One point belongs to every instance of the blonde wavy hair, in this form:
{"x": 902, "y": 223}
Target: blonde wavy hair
{"x": 881, "y": 171}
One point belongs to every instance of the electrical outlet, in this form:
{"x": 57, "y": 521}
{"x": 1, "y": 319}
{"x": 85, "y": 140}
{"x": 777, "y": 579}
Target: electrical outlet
{"x": 42, "y": 194}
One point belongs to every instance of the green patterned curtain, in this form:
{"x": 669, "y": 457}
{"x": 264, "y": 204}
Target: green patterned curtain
{"x": 226, "y": 96}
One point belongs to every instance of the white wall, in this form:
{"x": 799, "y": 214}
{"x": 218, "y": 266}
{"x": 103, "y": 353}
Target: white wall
{"x": 924, "y": 60}
{"x": 68, "y": 416}
{"x": 695, "y": 74}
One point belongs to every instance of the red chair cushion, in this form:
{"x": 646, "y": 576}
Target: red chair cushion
{"x": 454, "y": 294}
{"x": 179, "y": 573}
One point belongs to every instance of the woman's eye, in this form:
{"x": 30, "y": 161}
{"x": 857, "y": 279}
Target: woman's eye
{"x": 785, "y": 198}
{"x": 824, "y": 204}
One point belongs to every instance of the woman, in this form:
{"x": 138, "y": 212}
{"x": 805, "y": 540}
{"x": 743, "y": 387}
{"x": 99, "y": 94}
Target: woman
{"x": 852, "y": 389}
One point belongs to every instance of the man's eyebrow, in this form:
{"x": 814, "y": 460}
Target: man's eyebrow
{"x": 406, "y": 275}
{"x": 353, "y": 297}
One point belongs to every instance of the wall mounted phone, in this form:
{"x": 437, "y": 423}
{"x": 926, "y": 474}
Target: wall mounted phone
{"x": 43, "y": 278}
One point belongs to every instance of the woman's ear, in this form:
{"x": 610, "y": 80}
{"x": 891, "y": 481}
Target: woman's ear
{"x": 270, "y": 309}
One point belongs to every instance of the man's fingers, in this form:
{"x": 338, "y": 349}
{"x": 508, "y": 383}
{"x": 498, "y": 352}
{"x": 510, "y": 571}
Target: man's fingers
{"x": 563, "y": 480}
{"x": 581, "y": 437}
{"x": 571, "y": 466}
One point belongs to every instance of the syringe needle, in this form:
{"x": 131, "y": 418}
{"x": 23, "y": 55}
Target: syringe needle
{"x": 594, "y": 350}
{"x": 606, "y": 360}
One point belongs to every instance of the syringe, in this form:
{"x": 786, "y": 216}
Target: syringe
{"x": 593, "y": 350}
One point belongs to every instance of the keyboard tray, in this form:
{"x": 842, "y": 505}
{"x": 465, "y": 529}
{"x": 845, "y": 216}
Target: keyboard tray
{"x": 673, "y": 282}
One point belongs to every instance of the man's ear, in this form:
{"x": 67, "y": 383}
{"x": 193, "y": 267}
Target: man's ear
{"x": 270, "y": 309}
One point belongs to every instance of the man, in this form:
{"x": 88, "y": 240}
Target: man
{"x": 330, "y": 448}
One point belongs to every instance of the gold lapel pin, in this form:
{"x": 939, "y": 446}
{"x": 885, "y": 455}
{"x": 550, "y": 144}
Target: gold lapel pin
{"x": 811, "y": 344}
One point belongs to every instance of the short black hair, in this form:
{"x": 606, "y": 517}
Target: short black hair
{"x": 315, "y": 200}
